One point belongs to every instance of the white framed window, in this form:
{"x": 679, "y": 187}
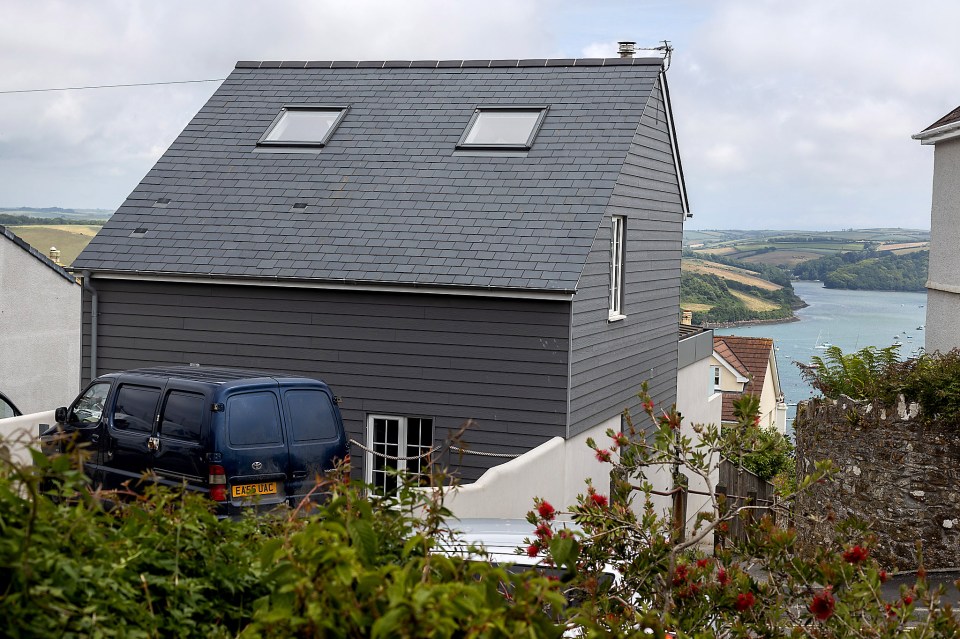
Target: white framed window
{"x": 618, "y": 237}
{"x": 715, "y": 377}
{"x": 396, "y": 436}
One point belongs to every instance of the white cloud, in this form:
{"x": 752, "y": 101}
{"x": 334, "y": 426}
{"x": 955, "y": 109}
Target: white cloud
{"x": 822, "y": 98}
{"x": 789, "y": 113}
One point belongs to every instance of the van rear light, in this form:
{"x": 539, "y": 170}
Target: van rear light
{"x": 218, "y": 482}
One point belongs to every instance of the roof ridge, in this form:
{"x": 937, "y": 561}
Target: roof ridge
{"x": 19, "y": 241}
{"x": 447, "y": 64}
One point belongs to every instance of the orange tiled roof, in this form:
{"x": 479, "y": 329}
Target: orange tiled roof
{"x": 750, "y": 356}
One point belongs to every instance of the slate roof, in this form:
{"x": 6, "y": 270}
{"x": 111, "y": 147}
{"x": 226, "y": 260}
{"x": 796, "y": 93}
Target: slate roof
{"x": 388, "y": 200}
{"x": 950, "y": 118}
{"x": 46, "y": 261}
{"x": 750, "y": 356}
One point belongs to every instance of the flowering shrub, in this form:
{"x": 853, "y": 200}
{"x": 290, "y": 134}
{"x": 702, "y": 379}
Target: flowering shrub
{"x": 763, "y": 587}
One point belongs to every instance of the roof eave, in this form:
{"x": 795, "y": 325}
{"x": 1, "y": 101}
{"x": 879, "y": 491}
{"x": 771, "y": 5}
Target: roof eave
{"x": 339, "y": 284}
{"x": 941, "y": 133}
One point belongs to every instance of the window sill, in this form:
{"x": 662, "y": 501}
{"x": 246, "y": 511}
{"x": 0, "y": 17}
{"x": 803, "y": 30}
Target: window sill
{"x": 615, "y": 318}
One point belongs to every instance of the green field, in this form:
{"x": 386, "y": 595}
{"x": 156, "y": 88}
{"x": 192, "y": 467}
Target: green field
{"x": 69, "y": 238}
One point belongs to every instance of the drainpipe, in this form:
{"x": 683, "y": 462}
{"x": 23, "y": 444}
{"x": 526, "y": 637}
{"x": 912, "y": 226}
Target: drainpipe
{"x": 93, "y": 323}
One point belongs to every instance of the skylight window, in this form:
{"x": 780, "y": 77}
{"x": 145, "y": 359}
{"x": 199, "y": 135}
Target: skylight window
{"x": 503, "y": 128}
{"x": 303, "y": 126}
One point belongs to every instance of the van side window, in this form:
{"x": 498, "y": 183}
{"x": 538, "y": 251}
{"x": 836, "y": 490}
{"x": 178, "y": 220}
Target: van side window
{"x": 253, "y": 419}
{"x": 311, "y": 415}
{"x": 135, "y": 408}
{"x": 182, "y": 416}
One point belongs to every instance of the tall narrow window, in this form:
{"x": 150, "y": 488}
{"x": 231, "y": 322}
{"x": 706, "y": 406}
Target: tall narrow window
{"x": 390, "y": 437}
{"x": 618, "y": 227}
{"x": 715, "y": 375}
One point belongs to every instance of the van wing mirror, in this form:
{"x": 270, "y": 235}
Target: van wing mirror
{"x": 60, "y": 415}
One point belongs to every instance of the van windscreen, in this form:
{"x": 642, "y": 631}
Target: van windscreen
{"x": 253, "y": 419}
{"x": 311, "y": 415}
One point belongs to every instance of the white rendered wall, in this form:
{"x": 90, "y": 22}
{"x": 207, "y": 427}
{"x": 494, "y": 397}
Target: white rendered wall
{"x": 39, "y": 332}
{"x": 19, "y": 434}
{"x": 943, "y": 301}
{"x": 698, "y": 404}
{"x": 555, "y": 471}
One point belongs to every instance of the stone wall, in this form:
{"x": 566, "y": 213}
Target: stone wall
{"x": 897, "y": 473}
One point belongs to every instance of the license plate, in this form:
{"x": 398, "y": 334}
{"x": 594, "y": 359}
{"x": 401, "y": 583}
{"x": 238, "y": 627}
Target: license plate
{"x": 250, "y": 490}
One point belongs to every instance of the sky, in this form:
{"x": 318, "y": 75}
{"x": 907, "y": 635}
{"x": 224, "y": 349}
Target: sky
{"x": 790, "y": 115}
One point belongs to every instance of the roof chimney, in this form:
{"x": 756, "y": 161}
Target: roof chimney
{"x": 687, "y": 318}
{"x": 55, "y": 255}
{"x": 627, "y": 49}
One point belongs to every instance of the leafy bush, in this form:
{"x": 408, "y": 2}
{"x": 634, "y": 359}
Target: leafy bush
{"x": 162, "y": 565}
{"x": 932, "y": 380}
{"x": 861, "y": 375}
{"x": 762, "y": 587}
{"x": 767, "y": 452}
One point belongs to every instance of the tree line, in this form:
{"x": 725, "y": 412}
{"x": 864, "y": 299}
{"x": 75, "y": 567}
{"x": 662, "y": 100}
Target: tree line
{"x": 7, "y": 219}
{"x": 868, "y": 270}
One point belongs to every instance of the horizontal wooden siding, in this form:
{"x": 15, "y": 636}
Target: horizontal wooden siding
{"x": 499, "y": 362}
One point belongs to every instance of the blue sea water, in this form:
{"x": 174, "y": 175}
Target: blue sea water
{"x": 849, "y": 319}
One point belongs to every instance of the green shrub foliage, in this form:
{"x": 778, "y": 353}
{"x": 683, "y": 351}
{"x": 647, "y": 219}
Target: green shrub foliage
{"x": 161, "y": 564}
{"x": 871, "y": 374}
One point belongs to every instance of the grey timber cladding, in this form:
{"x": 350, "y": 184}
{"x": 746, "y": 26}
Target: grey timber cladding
{"x": 388, "y": 199}
{"x": 500, "y": 362}
{"x": 610, "y": 360}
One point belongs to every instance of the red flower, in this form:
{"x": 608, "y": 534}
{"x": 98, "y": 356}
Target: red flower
{"x": 544, "y": 531}
{"x": 603, "y": 455}
{"x": 722, "y": 578}
{"x": 598, "y": 500}
{"x": 532, "y": 550}
{"x": 822, "y": 604}
{"x": 546, "y": 510}
{"x": 907, "y": 600}
{"x": 745, "y": 600}
{"x": 855, "y": 554}
{"x": 703, "y": 563}
{"x": 680, "y": 575}
{"x": 648, "y": 406}
{"x": 883, "y": 576}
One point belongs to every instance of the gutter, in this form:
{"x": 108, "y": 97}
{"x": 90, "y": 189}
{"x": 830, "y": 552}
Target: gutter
{"x": 939, "y": 134}
{"x": 565, "y": 295}
{"x": 93, "y": 323}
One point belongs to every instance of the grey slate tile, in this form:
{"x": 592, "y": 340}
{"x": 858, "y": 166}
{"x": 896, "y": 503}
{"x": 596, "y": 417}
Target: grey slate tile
{"x": 389, "y": 181}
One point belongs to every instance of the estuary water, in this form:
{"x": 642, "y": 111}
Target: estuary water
{"x": 849, "y": 319}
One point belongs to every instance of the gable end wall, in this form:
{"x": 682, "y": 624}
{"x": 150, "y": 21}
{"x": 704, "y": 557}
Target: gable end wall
{"x": 610, "y": 360}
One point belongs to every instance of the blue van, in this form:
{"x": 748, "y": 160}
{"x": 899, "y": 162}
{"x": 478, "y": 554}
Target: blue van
{"x": 242, "y": 437}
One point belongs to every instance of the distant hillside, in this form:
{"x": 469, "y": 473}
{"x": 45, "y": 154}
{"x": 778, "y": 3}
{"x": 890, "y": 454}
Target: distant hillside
{"x": 70, "y": 239}
{"x": 787, "y": 249}
{"x": 719, "y": 290}
{"x": 52, "y": 215}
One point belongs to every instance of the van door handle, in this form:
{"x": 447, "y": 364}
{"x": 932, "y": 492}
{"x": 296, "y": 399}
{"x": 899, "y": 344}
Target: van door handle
{"x": 299, "y": 474}
{"x": 153, "y": 443}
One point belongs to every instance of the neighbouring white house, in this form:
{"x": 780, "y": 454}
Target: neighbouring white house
{"x": 39, "y": 328}
{"x": 699, "y": 403}
{"x": 943, "y": 281}
{"x": 748, "y": 366}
